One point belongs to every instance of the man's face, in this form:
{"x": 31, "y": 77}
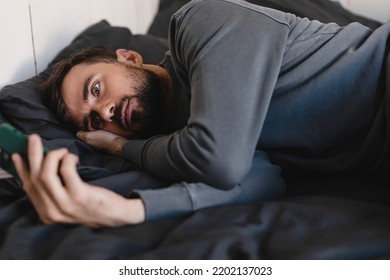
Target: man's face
{"x": 115, "y": 97}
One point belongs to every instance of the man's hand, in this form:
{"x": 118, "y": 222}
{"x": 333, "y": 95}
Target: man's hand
{"x": 105, "y": 141}
{"x": 60, "y": 196}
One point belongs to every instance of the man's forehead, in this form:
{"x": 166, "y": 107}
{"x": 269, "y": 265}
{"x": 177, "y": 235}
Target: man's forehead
{"x": 74, "y": 75}
{"x": 85, "y": 68}
{"x": 74, "y": 80}
{"x": 79, "y": 69}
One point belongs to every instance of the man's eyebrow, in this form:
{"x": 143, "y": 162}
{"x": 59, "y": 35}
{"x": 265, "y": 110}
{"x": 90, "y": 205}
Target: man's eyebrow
{"x": 85, "y": 89}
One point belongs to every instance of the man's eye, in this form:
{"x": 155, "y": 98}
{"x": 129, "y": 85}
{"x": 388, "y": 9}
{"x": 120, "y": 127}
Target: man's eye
{"x": 96, "y": 89}
{"x": 95, "y": 120}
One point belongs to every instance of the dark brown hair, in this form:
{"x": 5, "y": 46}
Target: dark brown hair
{"x": 51, "y": 87}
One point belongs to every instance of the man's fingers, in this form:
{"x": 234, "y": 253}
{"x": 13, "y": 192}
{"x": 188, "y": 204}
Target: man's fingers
{"x": 21, "y": 168}
{"x": 44, "y": 199}
{"x": 49, "y": 170}
{"x": 35, "y": 154}
{"x": 57, "y": 203}
{"x": 49, "y": 185}
{"x": 44, "y": 186}
{"x": 80, "y": 135}
{"x": 69, "y": 173}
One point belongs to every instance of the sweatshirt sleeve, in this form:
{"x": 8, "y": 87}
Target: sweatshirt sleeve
{"x": 263, "y": 182}
{"x": 229, "y": 55}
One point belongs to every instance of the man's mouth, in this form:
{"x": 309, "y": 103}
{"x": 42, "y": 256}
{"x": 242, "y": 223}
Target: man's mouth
{"x": 126, "y": 113}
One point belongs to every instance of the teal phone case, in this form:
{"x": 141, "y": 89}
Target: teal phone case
{"x": 11, "y": 141}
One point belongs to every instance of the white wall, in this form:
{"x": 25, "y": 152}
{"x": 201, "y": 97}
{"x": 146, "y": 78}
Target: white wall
{"x": 16, "y": 54}
{"x": 54, "y": 23}
{"x": 375, "y": 9}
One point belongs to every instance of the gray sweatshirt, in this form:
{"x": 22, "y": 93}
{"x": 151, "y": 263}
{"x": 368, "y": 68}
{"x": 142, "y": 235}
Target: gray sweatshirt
{"x": 308, "y": 94}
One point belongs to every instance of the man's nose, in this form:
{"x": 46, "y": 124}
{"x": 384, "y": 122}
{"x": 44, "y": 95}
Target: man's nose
{"x": 106, "y": 111}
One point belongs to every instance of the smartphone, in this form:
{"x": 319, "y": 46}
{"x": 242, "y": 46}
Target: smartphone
{"x": 11, "y": 141}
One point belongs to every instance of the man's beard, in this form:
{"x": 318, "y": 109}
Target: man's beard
{"x": 147, "y": 119}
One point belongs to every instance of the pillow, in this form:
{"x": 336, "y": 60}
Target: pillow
{"x": 322, "y": 10}
{"x": 22, "y": 106}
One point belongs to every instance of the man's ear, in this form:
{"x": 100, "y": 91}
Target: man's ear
{"x": 128, "y": 56}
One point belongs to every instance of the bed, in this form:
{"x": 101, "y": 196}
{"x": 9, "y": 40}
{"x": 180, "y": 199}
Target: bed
{"x": 320, "y": 218}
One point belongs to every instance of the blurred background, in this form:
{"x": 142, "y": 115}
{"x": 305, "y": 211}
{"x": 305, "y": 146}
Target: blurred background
{"x": 34, "y": 31}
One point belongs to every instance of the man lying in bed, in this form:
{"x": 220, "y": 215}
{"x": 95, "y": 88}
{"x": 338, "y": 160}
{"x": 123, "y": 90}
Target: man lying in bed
{"x": 238, "y": 80}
